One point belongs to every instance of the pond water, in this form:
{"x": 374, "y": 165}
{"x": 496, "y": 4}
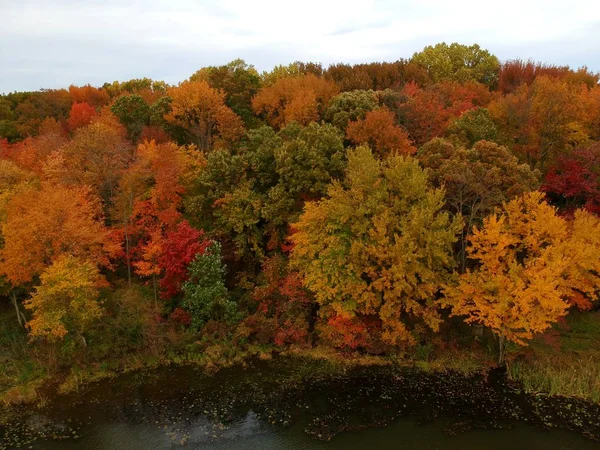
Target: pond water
{"x": 266, "y": 407}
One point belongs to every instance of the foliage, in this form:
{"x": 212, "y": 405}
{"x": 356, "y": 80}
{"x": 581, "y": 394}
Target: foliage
{"x": 524, "y": 282}
{"x": 379, "y": 131}
{"x": 574, "y": 179}
{"x": 472, "y": 126}
{"x": 301, "y": 99}
{"x": 350, "y": 105}
{"x": 133, "y": 113}
{"x": 361, "y": 250}
{"x": 458, "y": 62}
{"x": 476, "y": 180}
{"x": 205, "y": 294}
{"x": 66, "y": 301}
{"x": 202, "y": 112}
{"x": 42, "y": 225}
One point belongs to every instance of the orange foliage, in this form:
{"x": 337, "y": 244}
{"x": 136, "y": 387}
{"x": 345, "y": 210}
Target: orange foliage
{"x": 88, "y": 94}
{"x": 81, "y": 115}
{"x": 301, "y": 99}
{"x": 379, "y": 130}
{"x": 201, "y": 110}
{"x": 44, "y": 224}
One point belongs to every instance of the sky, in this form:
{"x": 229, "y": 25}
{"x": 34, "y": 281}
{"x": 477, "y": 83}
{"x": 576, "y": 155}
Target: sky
{"x": 55, "y": 43}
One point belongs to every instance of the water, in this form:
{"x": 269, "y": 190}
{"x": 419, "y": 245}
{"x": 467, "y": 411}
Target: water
{"x": 403, "y": 434}
{"x": 268, "y": 407}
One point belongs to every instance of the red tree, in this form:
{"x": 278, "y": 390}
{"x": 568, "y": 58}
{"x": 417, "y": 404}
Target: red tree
{"x": 81, "y": 115}
{"x": 179, "y": 248}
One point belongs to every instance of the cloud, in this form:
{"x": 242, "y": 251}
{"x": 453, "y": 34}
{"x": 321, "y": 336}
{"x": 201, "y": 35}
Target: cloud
{"x": 53, "y": 44}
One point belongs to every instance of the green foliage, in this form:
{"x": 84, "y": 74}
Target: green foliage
{"x": 472, "y": 126}
{"x": 351, "y": 105}
{"x": 133, "y": 112}
{"x": 205, "y": 294}
{"x": 459, "y": 62}
{"x": 239, "y": 81}
{"x": 378, "y": 245}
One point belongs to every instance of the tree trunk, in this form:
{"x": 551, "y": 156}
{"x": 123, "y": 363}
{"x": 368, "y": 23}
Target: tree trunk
{"x": 501, "y": 348}
{"x": 128, "y": 257}
{"x": 20, "y": 315}
{"x": 155, "y": 291}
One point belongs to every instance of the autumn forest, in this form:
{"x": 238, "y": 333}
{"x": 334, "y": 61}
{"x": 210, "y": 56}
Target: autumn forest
{"x": 441, "y": 209}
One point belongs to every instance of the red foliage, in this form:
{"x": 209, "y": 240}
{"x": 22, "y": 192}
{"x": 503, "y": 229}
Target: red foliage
{"x": 81, "y": 115}
{"x": 515, "y": 72}
{"x": 345, "y": 333}
{"x": 179, "y": 248}
{"x": 283, "y": 301}
{"x": 90, "y": 95}
{"x": 181, "y": 316}
{"x": 428, "y": 112}
{"x": 574, "y": 180}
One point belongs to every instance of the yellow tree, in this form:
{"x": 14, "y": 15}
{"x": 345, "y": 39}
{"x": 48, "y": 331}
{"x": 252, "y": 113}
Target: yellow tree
{"x": 378, "y": 246}
{"x": 66, "y": 301}
{"x": 531, "y": 269}
{"x": 201, "y": 110}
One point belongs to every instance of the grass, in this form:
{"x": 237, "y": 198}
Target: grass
{"x": 564, "y": 361}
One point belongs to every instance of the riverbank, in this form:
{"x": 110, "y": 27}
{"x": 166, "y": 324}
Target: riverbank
{"x": 561, "y": 365}
{"x": 329, "y": 397}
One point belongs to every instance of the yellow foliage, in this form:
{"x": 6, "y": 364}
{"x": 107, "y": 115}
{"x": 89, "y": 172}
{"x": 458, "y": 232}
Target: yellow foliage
{"x": 66, "y": 300}
{"x": 378, "y": 245}
{"x": 530, "y": 268}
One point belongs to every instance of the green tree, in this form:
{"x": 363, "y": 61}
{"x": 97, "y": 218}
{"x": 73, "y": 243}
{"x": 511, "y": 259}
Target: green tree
{"x": 205, "y": 294}
{"x": 133, "y": 113}
{"x": 472, "y": 126}
{"x": 351, "y": 105}
{"x": 378, "y": 245}
{"x": 459, "y": 63}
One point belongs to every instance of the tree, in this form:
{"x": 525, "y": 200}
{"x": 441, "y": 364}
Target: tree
{"x": 238, "y": 81}
{"x": 427, "y": 112}
{"x": 525, "y": 277}
{"x": 95, "y": 97}
{"x": 80, "y": 116}
{"x": 301, "y": 99}
{"x": 379, "y": 245}
{"x": 66, "y": 301}
{"x": 476, "y": 180}
{"x": 459, "y": 63}
{"x": 472, "y": 126}
{"x": 97, "y": 156}
{"x": 205, "y": 294}
{"x": 133, "y": 113}
{"x": 541, "y": 121}
{"x": 379, "y": 130}
{"x": 285, "y": 307}
{"x": 179, "y": 249}
{"x": 42, "y": 225}
{"x": 352, "y": 105}
{"x": 201, "y": 110}
{"x": 573, "y": 181}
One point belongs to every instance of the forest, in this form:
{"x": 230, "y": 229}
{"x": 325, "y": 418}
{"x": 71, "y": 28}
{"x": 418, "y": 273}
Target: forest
{"x": 441, "y": 210}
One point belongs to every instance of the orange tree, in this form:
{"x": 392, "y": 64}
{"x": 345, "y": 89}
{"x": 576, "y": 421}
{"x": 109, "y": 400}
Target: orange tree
{"x": 533, "y": 265}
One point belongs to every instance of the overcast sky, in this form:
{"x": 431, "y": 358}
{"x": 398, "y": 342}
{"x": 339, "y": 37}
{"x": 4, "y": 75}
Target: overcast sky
{"x": 55, "y": 43}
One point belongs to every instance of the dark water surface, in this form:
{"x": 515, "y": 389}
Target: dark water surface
{"x": 265, "y": 407}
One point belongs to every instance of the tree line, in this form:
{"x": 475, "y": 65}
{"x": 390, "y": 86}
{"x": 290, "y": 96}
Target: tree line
{"x": 360, "y": 207}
